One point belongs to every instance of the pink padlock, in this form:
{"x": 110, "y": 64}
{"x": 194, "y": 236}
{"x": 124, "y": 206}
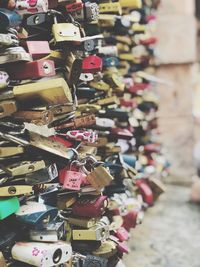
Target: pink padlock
{"x": 122, "y": 234}
{"x": 73, "y": 179}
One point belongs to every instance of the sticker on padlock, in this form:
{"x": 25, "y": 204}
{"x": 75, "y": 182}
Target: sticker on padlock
{"x": 31, "y": 6}
{"x": 42, "y": 254}
{"x": 73, "y": 179}
{"x": 85, "y": 136}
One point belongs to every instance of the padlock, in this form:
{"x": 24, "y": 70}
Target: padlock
{"x": 65, "y": 32}
{"x": 137, "y": 4}
{"x": 122, "y": 133}
{"x": 38, "y": 21}
{"x": 73, "y": 179}
{"x": 122, "y": 234}
{"x": 92, "y": 64}
{"x": 108, "y": 101}
{"x": 16, "y": 190}
{"x": 32, "y": 70}
{"x": 36, "y": 215}
{"x": 2, "y": 260}
{"x": 24, "y": 167}
{"x": 145, "y": 191}
{"x": 50, "y": 92}
{"x": 42, "y": 254}
{"x": 8, "y": 206}
{"x": 91, "y": 260}
{"x": 37, "y": 49}
{"x": 91, "y": 11}
{"x": 8, "y": 40}
{"x": 54, "y": 232}
{"x": 80, "y": 135}
{"x": 83, "y": 222}
{"x": 9, "y": 151}
{"x": 9, "y": 19}
{"x": 14, "y": 54}
{"x": 7, "y": 107}
{"x": 78, "y": 122}
{"x": 4, "y": 79}
{"x": 113, "y": 8}
{"x": 107, "y": 249}
{"x": 33, "y": 6}
{"x": 97, "y": 233}
{"x": 90, "y": 207}
{"x": 36, "y": 117}
{"x": 44, "y": 175}
{"x": 99, "y": 178}
{"x": 74, "y": 7}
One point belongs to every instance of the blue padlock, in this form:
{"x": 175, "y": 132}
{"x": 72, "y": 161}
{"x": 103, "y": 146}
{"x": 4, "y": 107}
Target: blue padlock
{"x": 9, "y": 19}
{"x": 110, "y": 62}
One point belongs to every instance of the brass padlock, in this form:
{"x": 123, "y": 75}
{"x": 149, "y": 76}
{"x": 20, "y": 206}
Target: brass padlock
{"x": 131, "y": 3}
{"x": 113, "y": 8}
{"x": 50, "y": 92}
{"x": 11, "y": 151}
{"x": 94, "y": 233}
{"x": 24, "y": 167}
{"x": 15, "y": 190}
{"x": 83, "y": 222}
{"x": 99, "y": 178}
{"x": 2, "y": 260}
{"x": 7, "y": 108}
{"x": 65, "y": 32}
{"x": 108, "y": 100}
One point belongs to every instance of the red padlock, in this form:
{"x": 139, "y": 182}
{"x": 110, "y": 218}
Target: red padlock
{"x": 148, "y": 41}
{"x": 61, "y": 140}
{"x": 122, "y": 234}
{"x": 32, "y": 70}
{"x": 37, "y": 49}
{"x": 138, "y": 87}
{"x": 130, "y": 219}
{"x": 145, "y": 191}
{"x": 74, "y": 7}
{"x": 90, "y": 207}
{"x": 121, "y": 133}
{"x": 92, "y": 64}
{"x": 130, "y": 103}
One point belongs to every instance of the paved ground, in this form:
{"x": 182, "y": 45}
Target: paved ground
{"x": 169, "y": 235}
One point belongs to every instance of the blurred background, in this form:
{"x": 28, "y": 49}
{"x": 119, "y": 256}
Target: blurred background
{"x": 170, "y": 235}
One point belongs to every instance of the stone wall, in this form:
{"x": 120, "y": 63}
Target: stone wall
{"x": 176, "y": 51}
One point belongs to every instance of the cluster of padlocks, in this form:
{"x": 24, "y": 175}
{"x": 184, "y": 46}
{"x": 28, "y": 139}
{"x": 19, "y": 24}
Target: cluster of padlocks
{"x": 79, "y": 160}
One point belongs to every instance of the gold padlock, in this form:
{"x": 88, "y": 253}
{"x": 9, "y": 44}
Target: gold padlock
{"x": 65, "y": 32}
{"x": 24, "y": 167}
{"x": 50, "y": 92}
{"x": 99, "y": 178}
{"x": 11, "y": 151}
{"x": 113, "y": 8}
{"x": 7, "y": 108}
{"x": 131, "y": 3}
{"x": 83, "y": 222}
{"x": 107, "y": 249}
{"x": 2, "y": 260}
{"x": 15, "y": 190}
{"x": 108, "y": 100}
{"x": 100, "y": 85}
{"x": 94, "y": 233}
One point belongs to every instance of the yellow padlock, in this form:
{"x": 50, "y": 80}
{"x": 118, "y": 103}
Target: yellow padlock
{"x": 131, "y": 3}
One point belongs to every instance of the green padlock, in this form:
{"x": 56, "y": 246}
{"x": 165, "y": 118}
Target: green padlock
{"x": 8, "y": 206}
